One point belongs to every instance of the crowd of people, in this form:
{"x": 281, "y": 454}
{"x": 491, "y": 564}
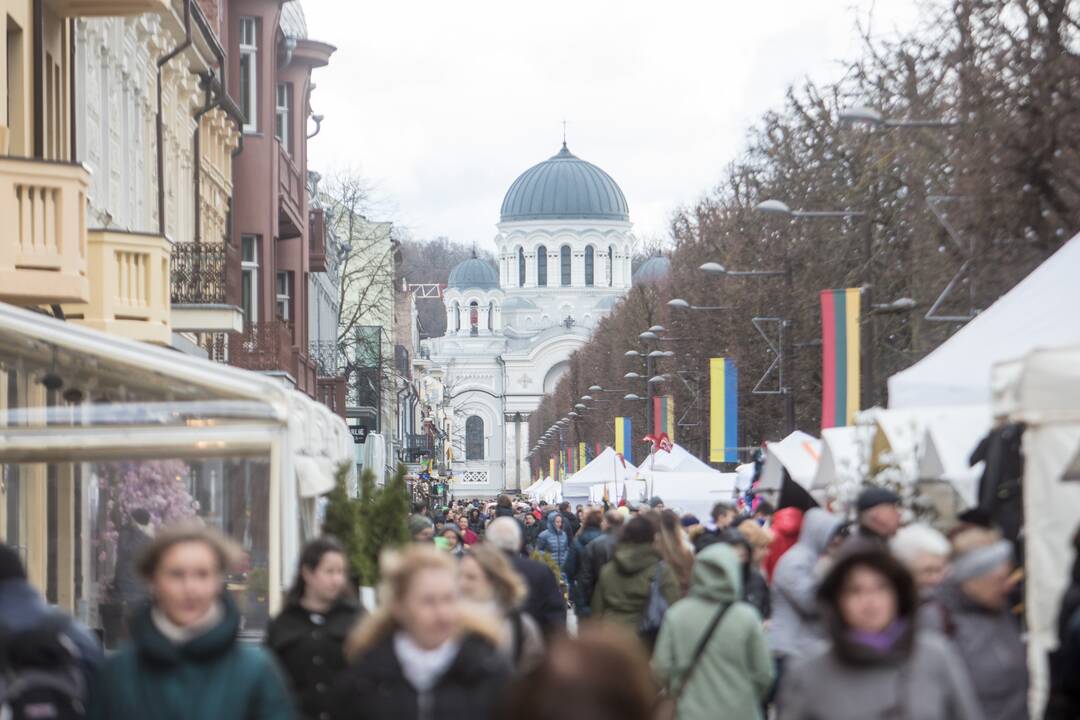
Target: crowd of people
{"x": 515, "y": 609}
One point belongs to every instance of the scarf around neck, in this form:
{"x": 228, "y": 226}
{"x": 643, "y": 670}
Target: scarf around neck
{"x": 882, "y": 642}
{"x": 423, "y": 668}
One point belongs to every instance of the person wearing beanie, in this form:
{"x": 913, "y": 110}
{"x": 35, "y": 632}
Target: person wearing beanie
{"x": 970, "y": 608}
{"x": 655, "y": 503}
{"x": 879, "y": 514}
{"x": 421, "y": 529}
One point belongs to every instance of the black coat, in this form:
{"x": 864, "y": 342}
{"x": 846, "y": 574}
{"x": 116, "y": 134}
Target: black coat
{"x": 597, "y": 553}
{"x": 374, "y": 686}
{"x": 310, "y": 649}
{"x": 544, "y": 600}
{"x": 530, "y": 534}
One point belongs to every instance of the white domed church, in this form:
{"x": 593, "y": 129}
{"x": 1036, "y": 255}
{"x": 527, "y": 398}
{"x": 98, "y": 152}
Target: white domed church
{"x": 564, "y": 259}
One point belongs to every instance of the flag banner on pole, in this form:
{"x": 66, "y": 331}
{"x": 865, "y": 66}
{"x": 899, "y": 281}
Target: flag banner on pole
{"x": 840, "y": 362}
{"x": 582, "y": 460}
{"x": 596, "y": 449}
{"x": 551, "y": 468}
{"x": 664, "y": 416}
{"x": 569, "y": 454}
{"x": 624, "y": 438}
{"x": 723, "y": 411}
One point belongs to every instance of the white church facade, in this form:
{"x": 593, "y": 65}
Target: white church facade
{"x": 564, "y": 260}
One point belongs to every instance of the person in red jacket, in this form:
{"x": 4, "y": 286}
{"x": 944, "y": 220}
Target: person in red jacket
{"x": 468, "y": 537}
{"x": 786, "y": 524}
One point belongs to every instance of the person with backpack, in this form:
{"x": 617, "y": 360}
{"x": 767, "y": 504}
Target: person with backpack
{"x": 636, "y": 586}
{"x": 711, "y": 653}
{"x": 489, "y": 582}
{"x": 48, "y": 661}
{"x": 184, "y": 658}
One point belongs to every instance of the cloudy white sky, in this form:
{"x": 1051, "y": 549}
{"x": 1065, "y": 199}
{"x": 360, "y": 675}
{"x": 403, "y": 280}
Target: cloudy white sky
{"x": 442, "y": 104}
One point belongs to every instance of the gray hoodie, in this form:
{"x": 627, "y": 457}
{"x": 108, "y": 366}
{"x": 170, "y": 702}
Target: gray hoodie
{"x": 795, "y": 628}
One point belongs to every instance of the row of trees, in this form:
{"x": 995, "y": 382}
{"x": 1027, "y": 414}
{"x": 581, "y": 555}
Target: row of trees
{"x": 956, "y": 215}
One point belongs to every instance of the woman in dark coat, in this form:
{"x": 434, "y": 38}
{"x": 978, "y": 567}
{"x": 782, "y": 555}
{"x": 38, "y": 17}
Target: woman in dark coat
{"x": 421, "y": 656}
{"x": 184, "y": 659}
{"x": 308, "y": 637}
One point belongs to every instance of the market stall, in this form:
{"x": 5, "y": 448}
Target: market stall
{"x": 685, "y": 483}
{"x": 98, "y": 432}
{"x": 607, "y": 468}
{"x": 788, "y": 473}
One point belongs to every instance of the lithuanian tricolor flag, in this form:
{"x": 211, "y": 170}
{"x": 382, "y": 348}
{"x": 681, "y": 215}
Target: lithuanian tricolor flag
{"x": 840, "y": 373}
{"x": 624, "y": 439}
{"x": 723, "y": 411}
{"x": 664, "y": 416}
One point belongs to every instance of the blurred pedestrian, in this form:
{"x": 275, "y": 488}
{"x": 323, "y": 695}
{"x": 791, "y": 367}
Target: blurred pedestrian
{"x": 755, "y": 590}
{"x": 878, "y": 663}
{"x": 602, "y": 674}
{"x": 555, "y": 541}
{"x": 971, "y": 609}
{"x": 488, "y": 580}
{"x": 720, "y": 519}
{"x": 308, "y": 636}
{"x": 675, "y": 548}
{"x": 420, "y": 655}
{"x": 49, "y": 661}
{"x": 477, "y": 523}
{"x": 597, "y": 554}
{"x": 469, "y": 537}
{"x": 925, "y": 553}
{"x": 184, "y": 658}
{"x": 786, "y": 525}
{"x": 591, "y": 521}
{"x": 543, "y": 600}
{"x": 795, "y": 628}
{"x": 451, "y": 535}
{"x": 1064, "y": 702}
{"x": 421, "y": 529}
{"x": 711, "y": 653}
{"x": 532, "y": 529}
{"x": 634, "y": 578}
{"x": 879, "y": 514}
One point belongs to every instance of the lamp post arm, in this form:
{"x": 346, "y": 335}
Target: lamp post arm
{"x": 934, "y": 124}
{"x": 840, "y": 214}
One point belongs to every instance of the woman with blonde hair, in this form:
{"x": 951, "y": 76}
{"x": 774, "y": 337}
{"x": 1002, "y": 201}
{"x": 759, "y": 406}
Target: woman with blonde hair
{"x": 675, "y": 548}
{"x": 420, "y": 654}
{"x": 488, "y": 580}
{"x": 184, "y": 658}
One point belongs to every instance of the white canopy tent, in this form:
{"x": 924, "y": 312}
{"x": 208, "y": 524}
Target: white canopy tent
{"x": 1039, "y": 312}
{"x": 693, "y": 492}
{"x": 636, "y": 492}
{"x": 843, "y": 454}
{"x": 947, "y": 444}
{"x": 547, "y": 490}
{"x": 1046, "y": 396}
{"x": 798, "y": 453}
{"x": 607, "y": 467}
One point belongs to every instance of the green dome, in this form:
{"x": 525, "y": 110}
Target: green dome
{"x": 564, "y": 187}
{"x": 473, "y": 273}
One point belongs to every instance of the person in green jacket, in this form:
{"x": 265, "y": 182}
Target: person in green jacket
{"x": 183, "y": 661}
{"x": 622, "y": 593}
{"x": 735, "y": 671}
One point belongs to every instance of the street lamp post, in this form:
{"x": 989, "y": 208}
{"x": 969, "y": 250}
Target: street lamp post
{"x": 874, "y": 118}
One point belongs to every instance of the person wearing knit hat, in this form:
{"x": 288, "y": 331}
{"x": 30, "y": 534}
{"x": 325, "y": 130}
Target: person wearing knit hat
{"x": 879, "y": 513}
{"x": 655, "y": 503}
{"x": 421, "y": 529}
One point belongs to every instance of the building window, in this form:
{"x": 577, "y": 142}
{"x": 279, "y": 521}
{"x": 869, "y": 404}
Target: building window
{"x": 521, "y": 267}
{"x": 564, "y": 264}
{"x": 457, "y": 317}
{"x": 284, "y": 296}
{"x": 249, "y": 277}
{"x": 589, "y": 258}
{"x": 474, "y": 438}
{"x": 474, "y": 318}
{"x": 541, "y": 266}
{"x": 281, "y": 116}
{"x": 611, "y": 265}
{"x": 249, "y": 76}
{"x": 491, "y": 316}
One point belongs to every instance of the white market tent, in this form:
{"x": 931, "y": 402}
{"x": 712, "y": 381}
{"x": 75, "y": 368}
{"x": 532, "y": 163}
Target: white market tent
{"x": 1039, "y": 312}
{"x": 947, "y": 444}
{"x": 526, "y": 491}
{"x": 798, "y": 453}
{"x": 842, "y": 456}
{"x": 1046, "y": 395}
{"x": 547, "y": 490}
{"x": 607, "y": 467}
{"x": 636, "y": 492}
{"x": 684, "y": 482}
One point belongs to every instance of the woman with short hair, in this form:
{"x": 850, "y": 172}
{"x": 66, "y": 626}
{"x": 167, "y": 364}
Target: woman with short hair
{"x": 184, "y": 658}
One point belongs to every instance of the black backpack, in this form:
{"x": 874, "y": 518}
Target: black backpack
{"x": 40, "y": 674}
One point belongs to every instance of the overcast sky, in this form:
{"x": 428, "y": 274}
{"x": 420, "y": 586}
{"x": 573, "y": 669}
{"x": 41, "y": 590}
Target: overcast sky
{"x": 442, "y": 104}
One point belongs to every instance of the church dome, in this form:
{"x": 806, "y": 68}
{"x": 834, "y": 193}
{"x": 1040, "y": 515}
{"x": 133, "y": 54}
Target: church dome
{"x": 473, "y": 273}
{"x": 654, "y": 270}
{"x": 564, "y": 187}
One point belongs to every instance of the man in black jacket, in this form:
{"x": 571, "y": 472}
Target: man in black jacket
{"x": 597, "y": 554}
{"x": 544, "y": 601}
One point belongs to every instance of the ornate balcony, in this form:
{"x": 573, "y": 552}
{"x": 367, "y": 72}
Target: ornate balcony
{"x": 129, "y": 286}
{"x": 107, "y": 8}
{"x": 291, "y": 190}
{"x": 43, "y": 243}
{"x": 263, "y": 346}
{"x": 317, "y": 240}
{"x": 203, "y": 299}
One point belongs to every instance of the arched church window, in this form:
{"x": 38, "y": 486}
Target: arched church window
{"x": 541, "y": 266}
{"x": 611, "y": 265}
{"x": 564, "y": 264}
{"x": 491, "y": 315}
{"x": 521, "y": 267}
{"x": 589, "y": 259}
{"x": 474, "y": 318}
{"x": 457, "y": 317}
{"x": 474, "y": 438}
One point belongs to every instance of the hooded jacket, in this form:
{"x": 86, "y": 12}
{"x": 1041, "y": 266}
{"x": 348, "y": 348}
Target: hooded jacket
{"x": 735, "y": 670}
{"x": 795, "y": 627}
{"x": 210, "y": 677}
{"x": 623, "y": 589}
{"x": 786, "y": 525}
{"x": 577, "y": 550}
{"x": 553, "y": 541}
{"x": 596, "y": 554}
{"x": 989, "y": 643}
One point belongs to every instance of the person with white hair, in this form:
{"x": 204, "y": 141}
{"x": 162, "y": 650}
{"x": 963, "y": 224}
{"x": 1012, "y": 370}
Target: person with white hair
{"x": 543, "y": 601}
{"x": 925, "y": 552}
